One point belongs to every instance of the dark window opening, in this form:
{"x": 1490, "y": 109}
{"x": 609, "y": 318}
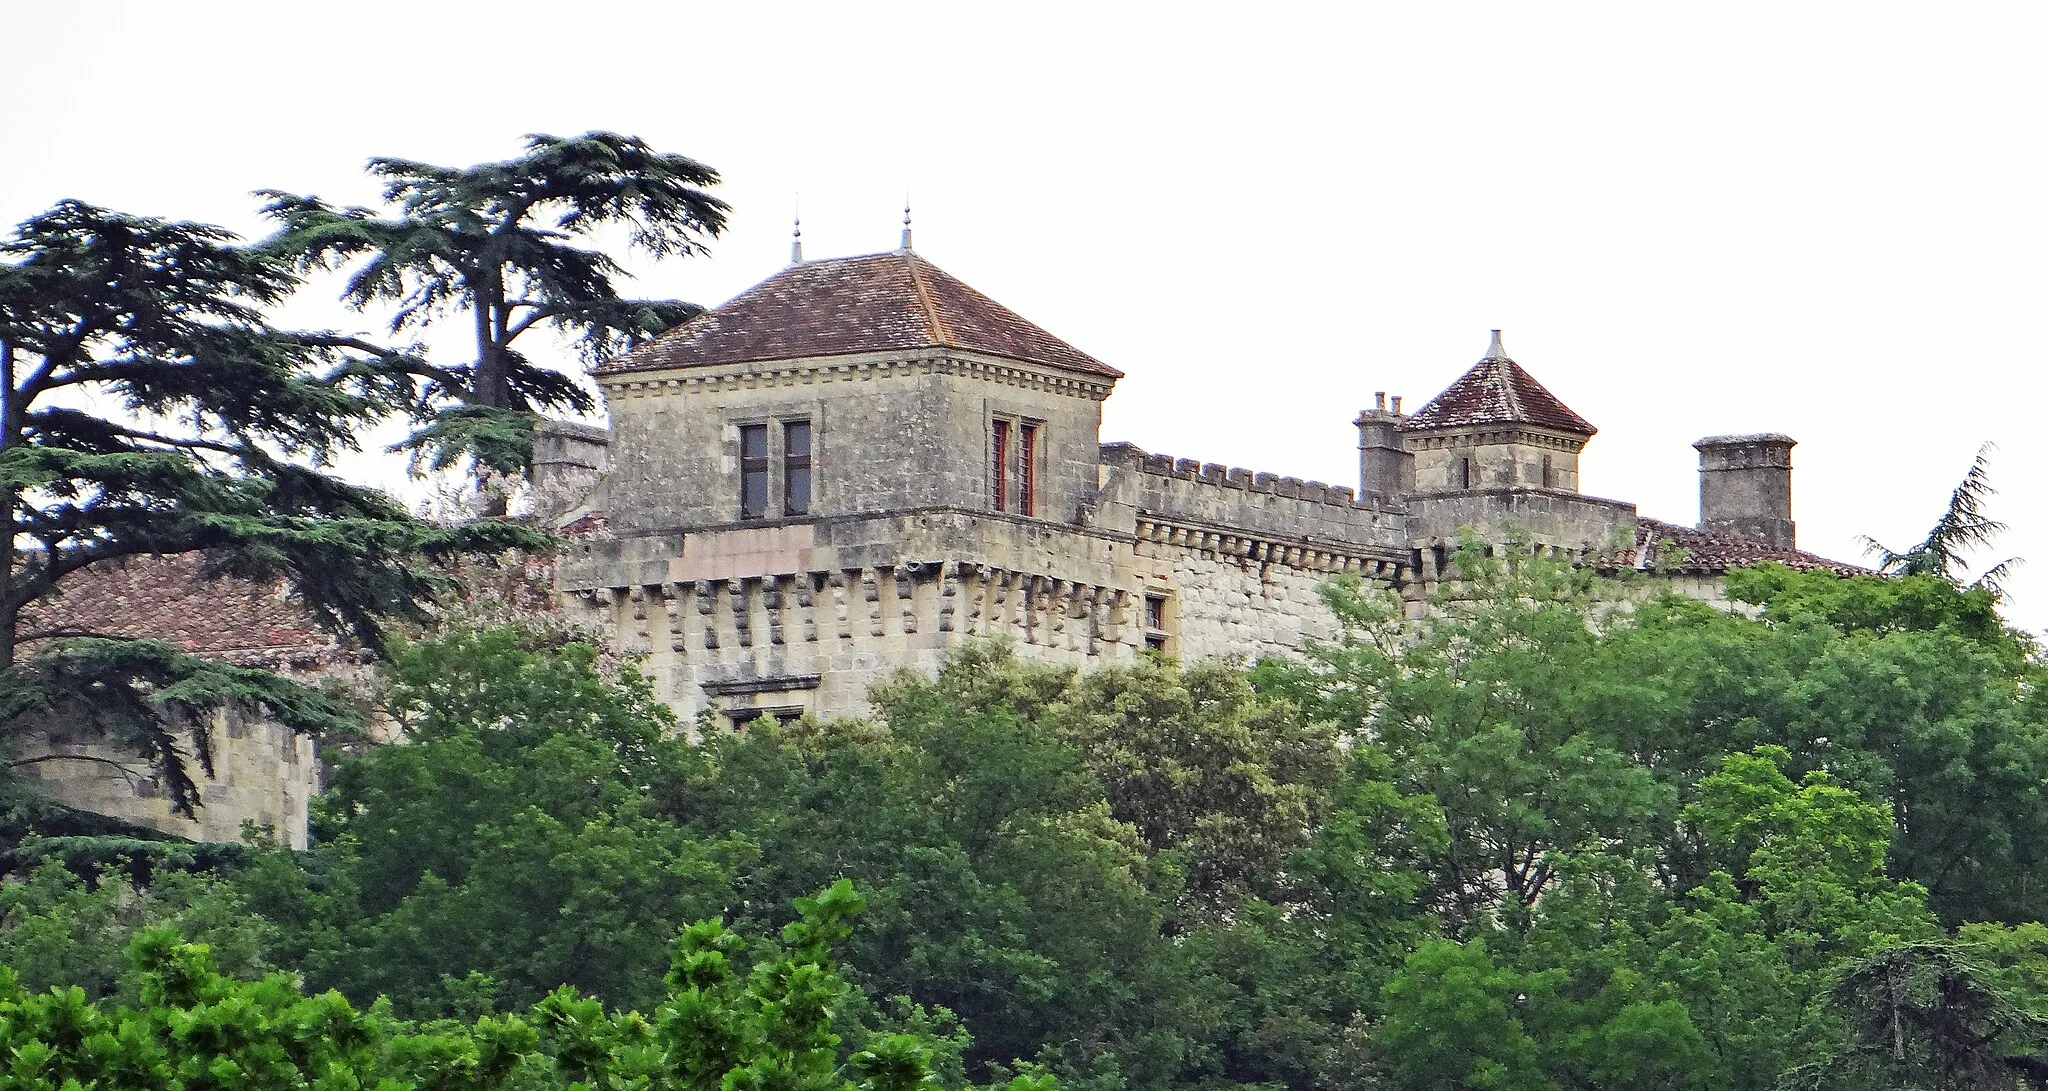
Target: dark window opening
{"x": 1549, "y": 478}
{"x": 999, "y": 465}
{"x": 1155, "y": 612}
{"x": 1027, "y": 476}
{"x": 753, "y": 471}
{"x": 1155, "y": 643}
{"x": 796, "y": 467}
{"x": 1464, "y": 473}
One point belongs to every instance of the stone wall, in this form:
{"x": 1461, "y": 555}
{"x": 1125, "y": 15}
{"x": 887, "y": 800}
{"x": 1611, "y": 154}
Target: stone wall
{"x": 894, "y": 432}
{"x": 803, "y": 617}
{"x": 1549, "y": 517}
{"x": 263, "y": 773}
{"x": 1494, "y": 458}
{"x": 1137, "y": 485}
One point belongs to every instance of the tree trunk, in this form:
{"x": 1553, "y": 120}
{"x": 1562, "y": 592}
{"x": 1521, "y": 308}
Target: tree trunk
{"x": 10, "y": 614}
{"x": 491, "y": 385}
{"x": 487, "y": 386}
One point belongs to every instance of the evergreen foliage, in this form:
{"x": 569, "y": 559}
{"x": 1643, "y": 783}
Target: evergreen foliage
{"x": 497, "y": 245}
{"x": 147, "y": 407}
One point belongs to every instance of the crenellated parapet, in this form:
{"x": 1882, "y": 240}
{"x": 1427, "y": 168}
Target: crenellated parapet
{"x": 1258, "y": 515}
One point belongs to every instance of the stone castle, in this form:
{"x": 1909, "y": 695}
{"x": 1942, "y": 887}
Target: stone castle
{"x": 860, "y": 463}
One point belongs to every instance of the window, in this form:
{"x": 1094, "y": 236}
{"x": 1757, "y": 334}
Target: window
{"x": 796, "y": 467}
{"x": 1027, "y": 476}
{"x": 1155, "y": 624}
{"x": 1013, "y": 465}
{"x": 759, "y": 484}
{"x": 1549, "y": 477}
{"x": 753, "y": 471}
{"x": 1464, "y": 473}
{"x": 999, "y": 465}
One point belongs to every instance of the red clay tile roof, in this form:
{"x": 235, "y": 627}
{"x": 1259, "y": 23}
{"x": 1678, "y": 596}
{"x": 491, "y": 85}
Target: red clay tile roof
{"x": 168, "y": 598}
{"x": 1660, "y": 544}
{"x": 1497, "y": 391}
{"x": 874, "y": 303}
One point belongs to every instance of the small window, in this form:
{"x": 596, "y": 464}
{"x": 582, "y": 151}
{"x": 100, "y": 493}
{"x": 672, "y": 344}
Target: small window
{"x": 1027, "y": 469}
{"x": 1155, "y": 612}
{"x": 796, "y": 467}
{"x": 1154, "y": 642}
{"x": 999, "y": 465}
{"x": 753, "y": 471}
{"x": 1549, "y": 476}
{"x": 1464, "y": 473}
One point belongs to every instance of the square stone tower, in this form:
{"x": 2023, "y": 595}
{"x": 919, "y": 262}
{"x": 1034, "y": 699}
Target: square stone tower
{"x": 851, "y": 386}
{"x": 1496, "y": 427}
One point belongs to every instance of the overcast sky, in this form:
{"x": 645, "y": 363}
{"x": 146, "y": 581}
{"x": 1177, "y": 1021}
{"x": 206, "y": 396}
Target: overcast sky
{"x": 1825, "y": 220}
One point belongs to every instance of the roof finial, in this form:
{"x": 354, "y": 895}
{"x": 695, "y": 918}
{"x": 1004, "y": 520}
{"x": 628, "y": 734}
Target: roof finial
{"x": 796, "y": 234}
{"x": 906, "y": 220}
{"x": 1495, "y": 351}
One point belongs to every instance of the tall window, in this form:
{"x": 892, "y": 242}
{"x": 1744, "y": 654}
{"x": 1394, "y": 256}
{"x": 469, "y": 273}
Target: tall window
{"x": 796, "y": 467}
{"x": 1027, "y": 468}
{"x": 753, "y": 471}
{"x": 1155, "y": 623}
{"x": 999, "y": 465}
{"x": 1549, "y": 475}
{"x": 1464, "y": 473}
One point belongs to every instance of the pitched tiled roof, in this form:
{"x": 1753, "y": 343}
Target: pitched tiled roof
{"x": 874, "y": 303}
{"x": 1497, "y": 391}
{"x": 169, "y": 598}
{"x": 1667, "y": 545}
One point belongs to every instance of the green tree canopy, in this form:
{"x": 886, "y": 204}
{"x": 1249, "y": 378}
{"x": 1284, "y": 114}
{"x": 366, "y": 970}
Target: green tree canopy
{"x": 504, "y": 247}
{"x": 148, "y": 407}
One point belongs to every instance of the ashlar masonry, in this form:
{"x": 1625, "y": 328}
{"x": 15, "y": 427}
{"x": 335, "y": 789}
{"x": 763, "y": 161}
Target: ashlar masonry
{"x": 860, "y": 463}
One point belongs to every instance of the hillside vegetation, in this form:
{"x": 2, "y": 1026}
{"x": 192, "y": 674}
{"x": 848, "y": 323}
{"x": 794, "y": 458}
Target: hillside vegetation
{"x": 1533, "y": 844}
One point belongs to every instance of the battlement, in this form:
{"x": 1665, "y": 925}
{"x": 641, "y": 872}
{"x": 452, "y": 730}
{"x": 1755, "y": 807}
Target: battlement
{"x": 1129, "y": 456}
{"x": 1141, "y": 487}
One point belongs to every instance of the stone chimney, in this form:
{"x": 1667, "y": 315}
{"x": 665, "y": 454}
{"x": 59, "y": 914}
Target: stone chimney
{"x": 1746, "y": 487}
{"x": 1385, "y": 465}
{"x": 568, "y": 458}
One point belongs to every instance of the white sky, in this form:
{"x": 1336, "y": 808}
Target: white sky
{"x": 1828, "y": 220}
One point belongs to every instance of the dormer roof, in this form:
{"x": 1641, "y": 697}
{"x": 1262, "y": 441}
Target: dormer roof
{"x": 1497, "y": 391}
{"x": 843, "y": 306}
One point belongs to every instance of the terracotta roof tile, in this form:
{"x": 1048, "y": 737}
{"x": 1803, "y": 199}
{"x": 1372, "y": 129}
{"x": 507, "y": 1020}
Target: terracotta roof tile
{"x": 1660, "y": 544}
{"x": 169, "y": 598}
{"x": 836, "y": 307}
{"x": 1497, "y": 391}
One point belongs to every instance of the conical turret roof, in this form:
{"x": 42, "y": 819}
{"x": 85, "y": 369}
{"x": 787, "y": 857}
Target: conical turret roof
{"x": 1497, "y": 391}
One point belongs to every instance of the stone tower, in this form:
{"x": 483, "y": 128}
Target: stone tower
{"x": 1386, "y": 468}
{"x": 1496, "y": 427}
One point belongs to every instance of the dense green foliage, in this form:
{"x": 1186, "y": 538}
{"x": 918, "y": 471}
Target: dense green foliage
{"x": 147, "y": 406}
{"x": 726, "y": 1020}
{"x": 1543, "y": 841}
